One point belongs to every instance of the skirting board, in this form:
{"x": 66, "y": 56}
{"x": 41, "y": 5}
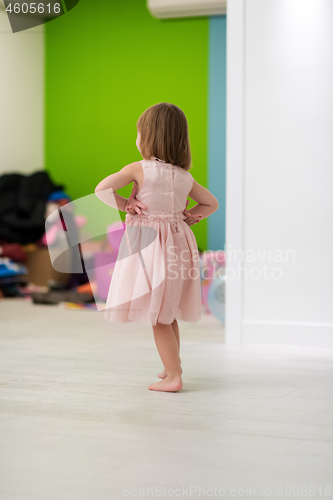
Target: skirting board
{"x": 297, "y": 334}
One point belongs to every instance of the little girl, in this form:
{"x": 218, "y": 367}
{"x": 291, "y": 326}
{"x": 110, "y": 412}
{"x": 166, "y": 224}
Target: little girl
{"x": 156, "y": 279}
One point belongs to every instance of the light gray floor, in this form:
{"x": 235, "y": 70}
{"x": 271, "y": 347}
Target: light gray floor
{"x": 78, "y": 422}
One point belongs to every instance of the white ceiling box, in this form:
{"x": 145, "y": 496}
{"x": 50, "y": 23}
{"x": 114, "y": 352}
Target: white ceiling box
{"x": 164, "y": 9}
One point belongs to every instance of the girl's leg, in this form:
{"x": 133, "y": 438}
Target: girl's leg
{"x": 168, "y": 350}
{"x": 175, "y": 327}
{"x": 176, "y": 332}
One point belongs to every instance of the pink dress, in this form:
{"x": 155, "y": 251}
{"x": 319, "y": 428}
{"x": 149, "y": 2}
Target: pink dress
{"x": 157, "y": 273}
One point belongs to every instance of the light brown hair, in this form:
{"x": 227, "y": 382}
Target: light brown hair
{"x": 164, "y": 134}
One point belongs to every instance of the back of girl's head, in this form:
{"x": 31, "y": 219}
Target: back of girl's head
{"x": 164, "y": 134}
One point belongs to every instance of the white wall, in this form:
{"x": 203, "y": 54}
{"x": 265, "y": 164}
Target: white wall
{"x": 21, "y": 98}
{"x": 280, "y": 171}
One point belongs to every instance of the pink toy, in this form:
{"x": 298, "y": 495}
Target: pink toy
{"x": 212, "y": 265}
{"x": 104, "y": 263}
{"x": 50, "y": 236}
{"x": 115, "y": 234}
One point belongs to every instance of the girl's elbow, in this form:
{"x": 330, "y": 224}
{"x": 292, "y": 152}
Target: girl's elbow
{"x": 98, "y": 191}
{"x": 103, "y": 187}
{"x": 99, "y": 188}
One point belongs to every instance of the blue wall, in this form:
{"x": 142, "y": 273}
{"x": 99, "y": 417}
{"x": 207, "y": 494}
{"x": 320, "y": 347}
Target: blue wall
{"x": 217, "y": 128}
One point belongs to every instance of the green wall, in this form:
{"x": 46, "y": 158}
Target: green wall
{"x": 106, "y": 62}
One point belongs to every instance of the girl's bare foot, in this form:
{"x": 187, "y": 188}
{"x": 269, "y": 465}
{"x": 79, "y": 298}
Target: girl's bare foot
{"x": 168, "y": 385}
{"x": 163, "y": 374}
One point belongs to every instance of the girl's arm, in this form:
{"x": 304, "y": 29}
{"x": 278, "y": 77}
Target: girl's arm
{"x": 106, "y": 189}
{"x": 207, "y": 204}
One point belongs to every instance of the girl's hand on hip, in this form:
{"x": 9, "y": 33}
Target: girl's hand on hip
{"x": 133, "y": 205}
{"x": 191, "y": 219}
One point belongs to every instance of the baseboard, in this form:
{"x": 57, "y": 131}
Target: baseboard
{"x": 284, "y": 333}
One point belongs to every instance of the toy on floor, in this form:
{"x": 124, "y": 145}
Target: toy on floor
{"x": 105, "y": 261}
{"x": 53, "y": 298}
{"x": 115, "y": 234}
{"x": 216, "y": 298}
{"x": 75, "y": 306}
{"x": 51, "y": 235}
{"x": 9, "y": 268}
{"x": 212, "y": 265}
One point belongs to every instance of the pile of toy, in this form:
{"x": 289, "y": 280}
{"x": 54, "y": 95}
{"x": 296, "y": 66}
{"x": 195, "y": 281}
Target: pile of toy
{"x": 23, "y": 200}
{"x": 25, "y": 267}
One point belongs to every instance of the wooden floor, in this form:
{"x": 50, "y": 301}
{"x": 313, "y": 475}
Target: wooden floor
{"x": 78, "y": 422}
